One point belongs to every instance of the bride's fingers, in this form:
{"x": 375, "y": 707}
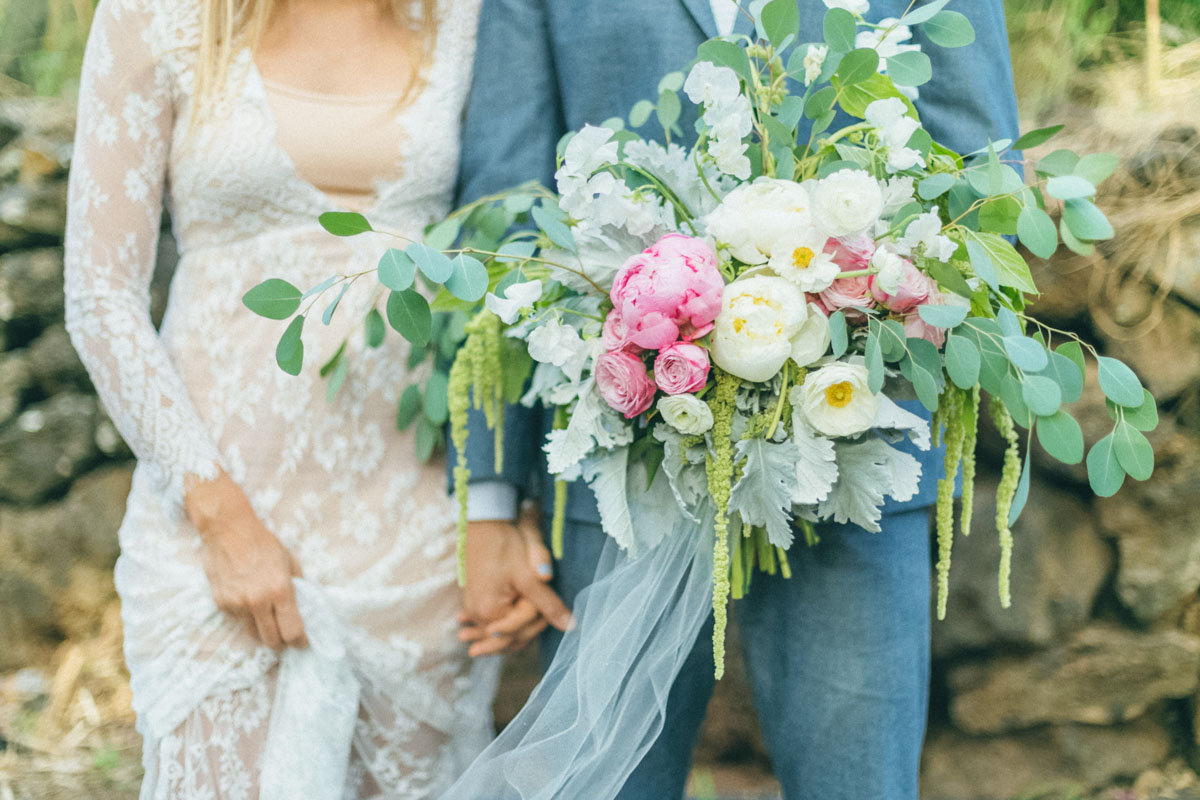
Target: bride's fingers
{"x": 535, "y": 551}
{"x": 522, "y": 613}
{"x": 527, "y": 634}
{"x": 489, "y": 646}
{"x": 471, "y": 633}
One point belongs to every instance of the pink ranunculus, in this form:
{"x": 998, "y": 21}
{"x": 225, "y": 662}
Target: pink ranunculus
{"x": 670, "y": 290}
{"x": 852, "y": 252}
{"x": 624, "y": 383}
{"x": 915, "y": 289}
{"x": 681, "y": 368}
{"x": 847, "y": 293}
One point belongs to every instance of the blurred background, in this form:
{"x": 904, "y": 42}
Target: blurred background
{"x": 1086, "y": 688}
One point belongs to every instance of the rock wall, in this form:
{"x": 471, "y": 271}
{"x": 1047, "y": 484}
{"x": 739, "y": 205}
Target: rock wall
{"x": 1090, "y": 677}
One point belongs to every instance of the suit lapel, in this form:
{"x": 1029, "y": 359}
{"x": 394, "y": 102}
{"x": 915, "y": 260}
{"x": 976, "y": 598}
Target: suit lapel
{"x": 701, "y": 11}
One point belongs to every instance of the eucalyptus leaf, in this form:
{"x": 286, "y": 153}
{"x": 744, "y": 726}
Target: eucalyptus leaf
{"x": 1026, "y": 353}
{"x": 469, "y": 279}
{"x": 344, "y": 223}
{"x": 942, "y": 316}
{"x": 1074, "y": 351}
{"x": 409, "y": 406}
{"x": 1133, "y": 451}
{"x": 857, "y": 66}
{"x": 781, "y": 19}
{"x": 962, "y": 361}
{"x": 1119, "y": 384}
{"x": 1097, "y": 167}
{"x": 950, "y": 29}
{"x": 1041, "y": 394}
{"x": 336, "y": 378}
{"x": 911, "y": 68}
{"x": 923, "y": 13}
{"x": 935, "y": 186}
{"x": 874, "y": 357}
{"x": 274, "y": 298}
{"x": 373, "y": 329}
{"x": 442, "y": 235}
{"x": 1037, "y": 231}
{"x": 397, "y": 270}
{"x": 1014, "y": 401}
{"x": 1145, "y": 416}
{"x": 1105, "y": 474}
{"x": 1069, "y": 377}
{"x": 728, "y": 54}
{"x": 554, "y": 228}
{"x": 1061, "y": 437}
{"x": 1021, "y": 497}
{"x": 1036, "y": 138}
{"x": 436, "y": 404}
{"x": 289, "y": 353}
{"x": 1070, "y": 187}
{"x": 1010, "y": 268}
{"x": 668, "y": 110}
{"x": 1008, "y": 322}
{"x": 327, "y": 316}
{"x": 837, "y": 333}
{"x": 1073, "y": 242}
{"x": 426, "y": 439}
{"x": 409, "y": 315}
{"x": 1087, "y": 221}
{"x": 640, "y": 114}
{"x": 839, "y": 28}
{"x": 434, "y": 264}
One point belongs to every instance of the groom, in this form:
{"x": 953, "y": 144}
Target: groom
{"x": 839, "y": 654}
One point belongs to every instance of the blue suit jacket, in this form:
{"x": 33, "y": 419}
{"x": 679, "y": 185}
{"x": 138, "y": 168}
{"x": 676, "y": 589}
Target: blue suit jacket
{"x": 546, "y": 67}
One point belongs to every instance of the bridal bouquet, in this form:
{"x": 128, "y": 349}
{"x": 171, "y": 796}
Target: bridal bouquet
{"x": 724, "y": 328}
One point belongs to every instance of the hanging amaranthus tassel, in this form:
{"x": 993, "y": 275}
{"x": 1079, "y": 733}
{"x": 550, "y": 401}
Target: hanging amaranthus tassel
{"x": 970, "y": 427}
{"x": 949, "y": 416}
{"x": 1010, "y": 477}
{"x": 719, "y": 467}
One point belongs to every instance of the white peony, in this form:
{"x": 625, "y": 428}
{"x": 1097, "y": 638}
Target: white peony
{"x": 800, "y": 257}
{"x": 847, "y": 203}
{"x": 853, "y": 6}
{"x": 686, "y": 413}
{"x": 754, "y": 216}
{"x": 814, "y": 62}
{"x": 517, "y": 297}
{"x": 837, "y": 401}
{"x": 755, "y": 333}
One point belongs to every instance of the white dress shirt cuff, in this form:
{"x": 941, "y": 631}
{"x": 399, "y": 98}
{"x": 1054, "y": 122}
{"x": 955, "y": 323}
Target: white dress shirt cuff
{"x": 491, "y": 500}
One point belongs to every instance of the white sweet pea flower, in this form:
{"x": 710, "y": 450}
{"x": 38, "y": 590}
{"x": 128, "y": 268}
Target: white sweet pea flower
{"x": 589, "y": 149}
{"x": 894, "y": 128}
{"x": 853, "y": 6}
{"x": 517, "y": 298}
{"x": 814, "y": 62}
{"x": 836, "y": 399}
{"x": 897, "y": 193}
{"x": 712, "y": 85}
{"x": 686, "y": 413}
{"x": 891, "y": 269}
{"x": 800, "y": 257}
{"x": 891, "y": 44}
{"x": 754, "y": 216}
{"x": 560, "y": 345}
{"x": 759, "y": 319}
{"x": 729, "y": 124}
{"x": 926, "y": 231}
{"x": 847, "y": 203}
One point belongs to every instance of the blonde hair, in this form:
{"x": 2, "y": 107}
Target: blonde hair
{"x": 229, "y": 25}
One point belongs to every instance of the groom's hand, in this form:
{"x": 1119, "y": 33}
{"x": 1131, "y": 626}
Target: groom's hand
{"x": 506, "y": 601}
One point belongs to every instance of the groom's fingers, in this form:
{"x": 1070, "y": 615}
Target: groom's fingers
{"x": 523, "y": 613}
{"x": 546, "y": 602}
{"x": 527, "y": 634}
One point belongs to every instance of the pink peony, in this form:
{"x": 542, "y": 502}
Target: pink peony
{"x": 670, "y": 290}
{"x": 623, "y": 382}
{"x": 916, "y": 288}
{"x": 681, "y": 368}
{"x": 847, "y": 293}
{"x": 615, "y": 334}
{"x": 852, "y": 253}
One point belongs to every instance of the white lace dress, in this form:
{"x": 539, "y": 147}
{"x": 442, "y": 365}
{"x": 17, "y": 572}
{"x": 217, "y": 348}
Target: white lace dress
{"x": 394, "y": 707}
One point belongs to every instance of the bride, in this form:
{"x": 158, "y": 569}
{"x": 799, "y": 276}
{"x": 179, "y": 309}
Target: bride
{"x": 249, "y": 118}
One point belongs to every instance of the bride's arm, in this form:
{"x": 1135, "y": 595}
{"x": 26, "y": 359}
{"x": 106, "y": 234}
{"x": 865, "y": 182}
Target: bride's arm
{"x": 126, "y": 118}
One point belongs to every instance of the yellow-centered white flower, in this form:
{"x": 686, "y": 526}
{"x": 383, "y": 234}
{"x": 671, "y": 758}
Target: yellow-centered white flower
{"x": 836, "y": 399}
{"x": 800, "y": 257}
{"x": 761, "y": 325}
{"x": 686, "y": 413}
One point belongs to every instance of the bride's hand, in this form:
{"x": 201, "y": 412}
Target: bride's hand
{"x": 248, "y": 568}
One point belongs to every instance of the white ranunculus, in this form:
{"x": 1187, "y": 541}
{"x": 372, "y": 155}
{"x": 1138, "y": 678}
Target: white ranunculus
{"x": 800, "y": 257}
{"x": 853, "y": 6}
{"x": 926, "y": 231}
{"x": 847, "y": 203}
{"x": 711, "y": 85}
{"x": 754, "y": 216}
{"x": 517, "y": 297}
{"x": 837, "y": 401}
{"x": 686, "y": 413}
{"x": 814, "y": 62}
{"x": 755, "y": 331}
{"x": 811, "y": 342}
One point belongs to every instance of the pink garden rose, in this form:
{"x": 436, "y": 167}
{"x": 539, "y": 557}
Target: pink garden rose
{"x": 918, "y": 328}
{"x": 623, "y": 382}
{"x": 681, "y": 368}
{"x": 669, "y": 291}
{"x": 916, "y": 288}
{"x": 852, "y": 252}
{"x": 847, "y": 293}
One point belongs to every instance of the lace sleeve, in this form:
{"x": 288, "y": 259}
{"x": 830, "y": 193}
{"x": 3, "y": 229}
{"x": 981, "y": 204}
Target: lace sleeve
{"x": 115, "y": 206}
